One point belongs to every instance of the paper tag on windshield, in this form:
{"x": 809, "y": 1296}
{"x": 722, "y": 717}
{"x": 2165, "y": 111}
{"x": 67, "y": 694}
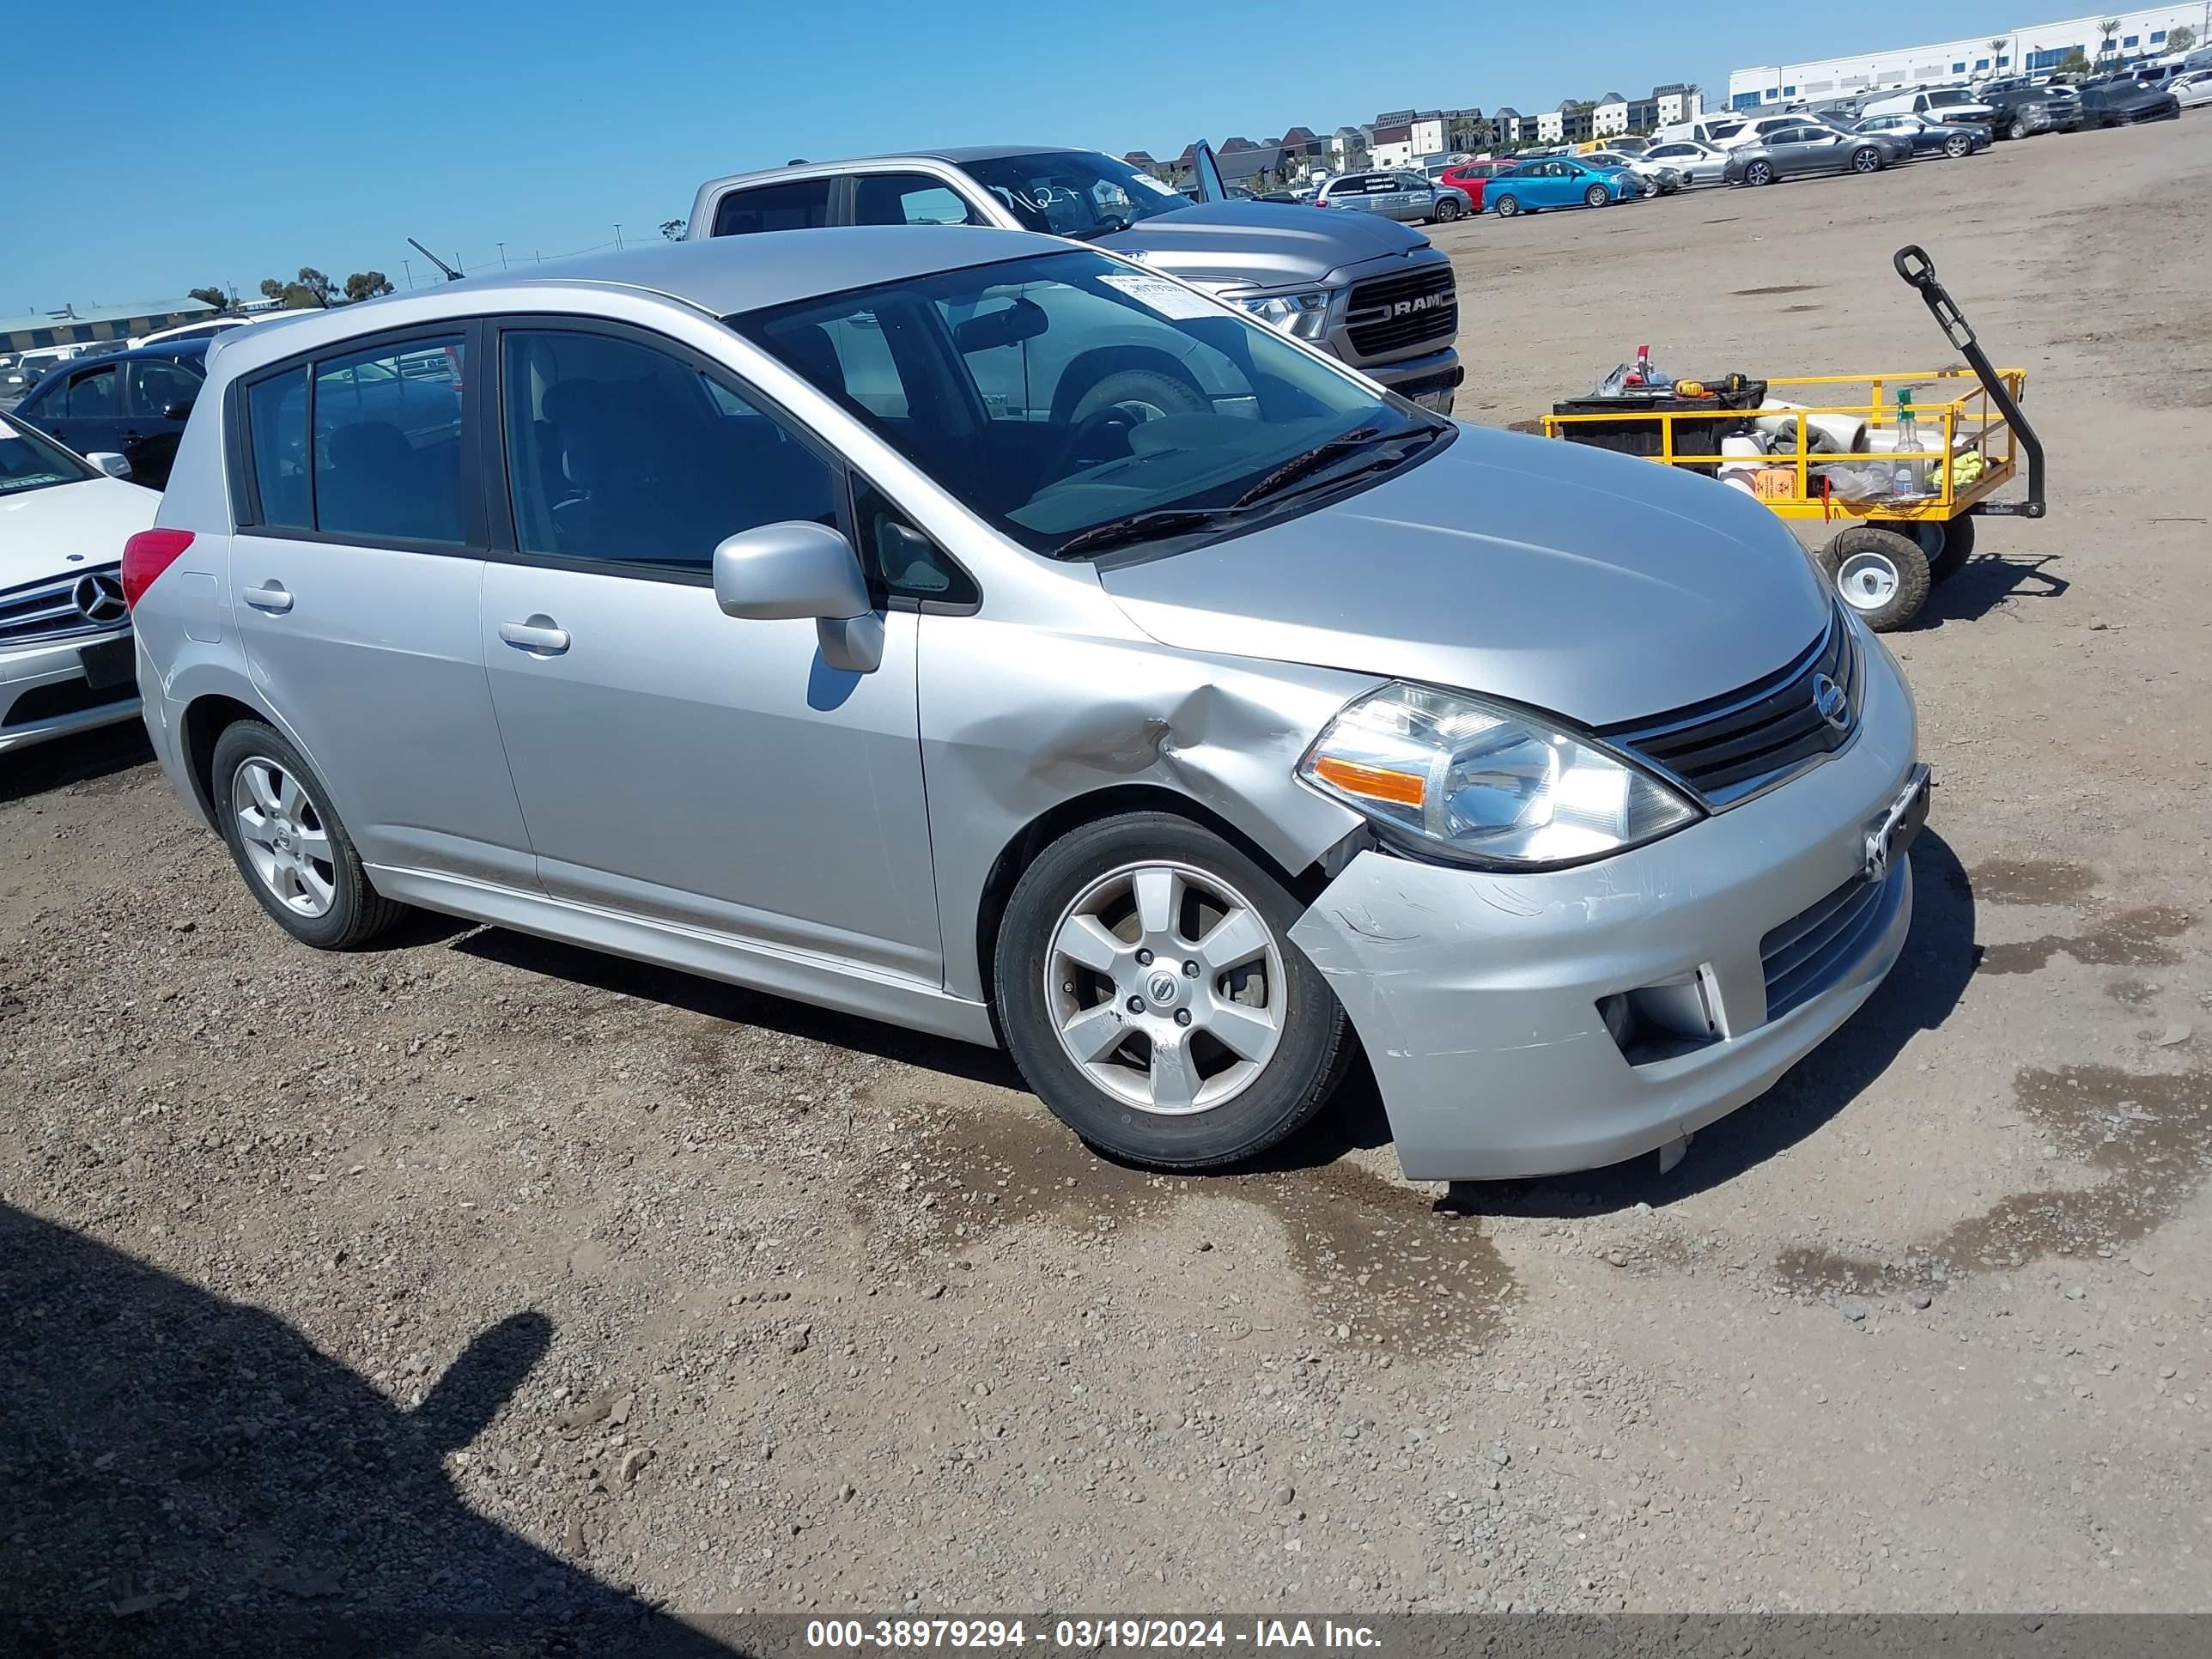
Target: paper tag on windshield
{"x": 1164, "y": 297}
{"x": 1155, "y": 186}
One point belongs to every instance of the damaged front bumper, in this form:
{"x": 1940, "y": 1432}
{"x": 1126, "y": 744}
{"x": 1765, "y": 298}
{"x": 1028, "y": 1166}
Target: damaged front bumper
{"x": 1532, "y": 1025}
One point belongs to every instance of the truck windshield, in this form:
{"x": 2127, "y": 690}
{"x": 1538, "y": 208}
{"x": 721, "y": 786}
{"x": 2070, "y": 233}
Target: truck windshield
{"x": 1073, "y": 192}
{"x": 1077, "y": 403}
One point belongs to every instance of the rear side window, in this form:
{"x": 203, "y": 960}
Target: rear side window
{"x": 91, "y": 392}
{"x": 387, "y": 443}
{"x": 276, "y": 417}
{"x": 366, "y": 447}
{"x": 802, "y": 204}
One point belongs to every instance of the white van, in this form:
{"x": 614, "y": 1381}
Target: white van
{"x": 1938, "y": 104}
{"x": 1714, "y": 129}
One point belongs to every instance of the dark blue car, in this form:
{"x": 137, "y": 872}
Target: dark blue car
{"x": 131, "y": 404}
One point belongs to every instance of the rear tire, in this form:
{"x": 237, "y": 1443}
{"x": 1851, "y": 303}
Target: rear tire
{"x": 1144, "y": 1098}
{"x": 296, "y": 857}
{"x": 2019, "y": 129}
{"x": 1948, "y": 545}
{"x": 1596, "y": 196}
{"x": 1881, "y": 574}
{"x": 1505, "y": 207}
{"x": 1447, "y": 211}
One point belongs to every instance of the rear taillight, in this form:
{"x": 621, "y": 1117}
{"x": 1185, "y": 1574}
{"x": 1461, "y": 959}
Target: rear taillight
{"x": 146, "y": 555}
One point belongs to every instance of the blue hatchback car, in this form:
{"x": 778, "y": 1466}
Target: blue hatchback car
{"x": 1558, "y": 181}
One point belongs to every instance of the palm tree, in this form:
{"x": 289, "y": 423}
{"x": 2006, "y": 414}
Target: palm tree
{"x": 1997, "y": 51}
{"x": 2106, "y": 28}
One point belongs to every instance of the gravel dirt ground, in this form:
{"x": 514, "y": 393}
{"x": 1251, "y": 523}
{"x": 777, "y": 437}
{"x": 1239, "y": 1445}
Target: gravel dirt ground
{"x": 476, "y": 1271}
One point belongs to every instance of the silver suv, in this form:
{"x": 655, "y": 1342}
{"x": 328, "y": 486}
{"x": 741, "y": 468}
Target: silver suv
{"x": 694, "y": 605}
{"x": 1376, "y": 294}
{"x": 1403, "y": 196}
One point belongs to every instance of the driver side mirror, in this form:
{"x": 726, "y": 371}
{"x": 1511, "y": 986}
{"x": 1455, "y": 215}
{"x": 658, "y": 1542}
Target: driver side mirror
{"x": 797, "y": 570}
{"x": 179, "y": 411}
{"x": 114, "y": 465}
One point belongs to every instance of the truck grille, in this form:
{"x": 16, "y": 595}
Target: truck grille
{"x": 1817, "y": 946}
{"x": 48, "y": 609}
{"x": 1729, "y": 747}
{"x": 1388, "y": 314}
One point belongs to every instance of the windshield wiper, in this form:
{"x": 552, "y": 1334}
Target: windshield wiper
{"x": 1143, "y": 527}
{"x": 1313, "y": 460}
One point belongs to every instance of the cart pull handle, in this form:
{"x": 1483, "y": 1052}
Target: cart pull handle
{"x": 1918, "y": 271}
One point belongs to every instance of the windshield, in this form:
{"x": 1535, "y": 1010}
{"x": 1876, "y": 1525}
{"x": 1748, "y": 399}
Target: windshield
{"x": 1945, "y": 100}
{"x": 1074, "y": 192}
{"x": 1061, "y": 397}
{"x": 31, "y": 460}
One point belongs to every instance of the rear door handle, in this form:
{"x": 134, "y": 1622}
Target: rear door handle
{"x": 539, "y": 634}
{"x": 272, "y": 597}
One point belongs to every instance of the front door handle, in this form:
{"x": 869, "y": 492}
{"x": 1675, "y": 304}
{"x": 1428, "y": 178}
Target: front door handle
{"x": 272, "y": 597}
{"x": 538, "y": 633}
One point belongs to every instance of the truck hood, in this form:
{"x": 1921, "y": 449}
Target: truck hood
{"x": 1267, "y": 243}
{"x": 69, "y": 527}
{"x": 1590, "y": 584}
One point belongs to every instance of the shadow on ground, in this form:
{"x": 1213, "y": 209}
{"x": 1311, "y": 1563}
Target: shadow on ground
{"x": 47, "y": 767}
{"x": 1919, "y": 994}
{"x": 187, "y": 1474}
{"x": 1982, "y": 585}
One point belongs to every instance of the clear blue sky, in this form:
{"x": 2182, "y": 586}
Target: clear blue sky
{"x": 229, "y": 143}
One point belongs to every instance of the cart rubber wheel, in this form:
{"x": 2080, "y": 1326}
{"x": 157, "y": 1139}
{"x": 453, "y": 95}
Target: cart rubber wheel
{"x": 1947, "y": 546}
{"x": 1880, "y": 574}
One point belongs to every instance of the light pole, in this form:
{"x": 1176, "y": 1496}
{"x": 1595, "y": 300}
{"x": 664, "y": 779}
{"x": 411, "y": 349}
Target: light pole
{"x": 502, "y": 256}
{"x": 617, "y": 239}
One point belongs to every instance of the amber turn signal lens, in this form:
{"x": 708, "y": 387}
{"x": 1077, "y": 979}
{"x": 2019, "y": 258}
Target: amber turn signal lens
{"x": 1372, "y": 782}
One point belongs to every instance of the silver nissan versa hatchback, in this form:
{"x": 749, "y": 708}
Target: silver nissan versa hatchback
{"x": 697, "y": 605}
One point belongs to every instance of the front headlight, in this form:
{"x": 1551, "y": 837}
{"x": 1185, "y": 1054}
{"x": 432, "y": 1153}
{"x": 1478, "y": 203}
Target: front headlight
{"x": 1453, "y": 775}
{"x": 1304, "y": 315}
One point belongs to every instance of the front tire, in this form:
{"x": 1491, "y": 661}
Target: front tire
{"x": 1596, "y": 196}
{"x": 1958, "y": 146}
{"x": 1447, "y": 211}
{"x": 1144, "y": 394}
{"x": 1148, "y": 989}
{"x": 1880, "y": 574}
{"x": 1867, "y": 159}
{"x": 2019, "y": 129}
{"x": 1759, "y": 173}
{"x": 296, "y": 857}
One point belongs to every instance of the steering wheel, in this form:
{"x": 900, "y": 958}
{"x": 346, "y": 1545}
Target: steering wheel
{"x": 1097, "y": 424}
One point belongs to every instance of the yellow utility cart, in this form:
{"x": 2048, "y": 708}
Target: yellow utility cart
{"x": 1972, "y": 439}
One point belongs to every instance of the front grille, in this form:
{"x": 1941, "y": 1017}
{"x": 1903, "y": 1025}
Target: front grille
{"x": 1388, "y": 314}
{"x": 1818, "y": 946}
{"x": 1730, "y": 747}
{"x": 49, "y": 702}
{"x": 47, "y": 609}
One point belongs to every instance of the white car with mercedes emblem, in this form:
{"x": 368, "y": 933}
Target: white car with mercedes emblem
{"x": 66, "y": 660}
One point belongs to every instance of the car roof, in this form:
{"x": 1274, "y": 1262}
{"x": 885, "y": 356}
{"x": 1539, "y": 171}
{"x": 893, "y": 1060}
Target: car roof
{"x": 719, "y": 275}
{"x": 954, "y": 155}
{"x": 167, "y": 349}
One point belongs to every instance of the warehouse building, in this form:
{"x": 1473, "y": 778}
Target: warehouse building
{"x": 2031, "y": 49}
{"x": 92, "y": 324}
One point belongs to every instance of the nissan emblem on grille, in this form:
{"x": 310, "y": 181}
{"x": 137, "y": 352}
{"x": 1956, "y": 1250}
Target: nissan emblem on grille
{"x": 1830, "y": 702}
{"x": 98, "y": 598}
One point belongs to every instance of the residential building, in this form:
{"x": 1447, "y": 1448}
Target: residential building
{"x": 1676, "y": 102}
{"x": 1142, "y": 161}
{"x": 1609, "y": 117}
{"x": 1347, "y": 147}
{"x": 73, "y": 326}
{"x": 1391, "y": 146}
{"x": 1509, "y": 128}
{"x": 2025, "y": 49}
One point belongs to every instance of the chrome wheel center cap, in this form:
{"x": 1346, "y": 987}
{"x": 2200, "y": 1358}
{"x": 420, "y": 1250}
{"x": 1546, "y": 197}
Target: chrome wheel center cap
{"x": 1163, "y": 987}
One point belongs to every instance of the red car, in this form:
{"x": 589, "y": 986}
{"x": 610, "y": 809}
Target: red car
{"x": 1472, "y": 176}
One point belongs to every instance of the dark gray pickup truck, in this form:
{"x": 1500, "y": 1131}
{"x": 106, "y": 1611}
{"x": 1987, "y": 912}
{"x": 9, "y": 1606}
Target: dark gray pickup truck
{"x": 1373, "y": 291}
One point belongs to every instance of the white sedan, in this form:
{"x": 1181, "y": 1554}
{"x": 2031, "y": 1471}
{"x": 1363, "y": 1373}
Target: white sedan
{"x": 1699, "y": 164}
{"x": 2194, "y": 89}
{"x": 67, "y": 662}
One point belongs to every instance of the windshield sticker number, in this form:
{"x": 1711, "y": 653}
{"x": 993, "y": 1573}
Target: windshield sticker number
{"x": 1177, "y": 303}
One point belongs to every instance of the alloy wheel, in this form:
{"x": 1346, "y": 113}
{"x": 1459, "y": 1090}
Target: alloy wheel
{"x": 1166, "y": 986}
{"x": 282, "y": 832}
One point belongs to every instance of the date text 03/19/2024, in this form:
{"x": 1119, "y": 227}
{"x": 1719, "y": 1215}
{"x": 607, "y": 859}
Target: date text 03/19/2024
{"x": 1085, "y": 1635}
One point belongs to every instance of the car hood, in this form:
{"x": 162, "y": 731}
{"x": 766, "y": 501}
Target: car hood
{"x": 1268, "y": 244}
{"x": 1590, "y": 584}
{"x": 72, "y": 526}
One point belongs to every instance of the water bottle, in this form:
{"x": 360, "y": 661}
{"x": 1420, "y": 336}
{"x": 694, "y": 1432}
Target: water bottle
{"x": 1904, "y": 476}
